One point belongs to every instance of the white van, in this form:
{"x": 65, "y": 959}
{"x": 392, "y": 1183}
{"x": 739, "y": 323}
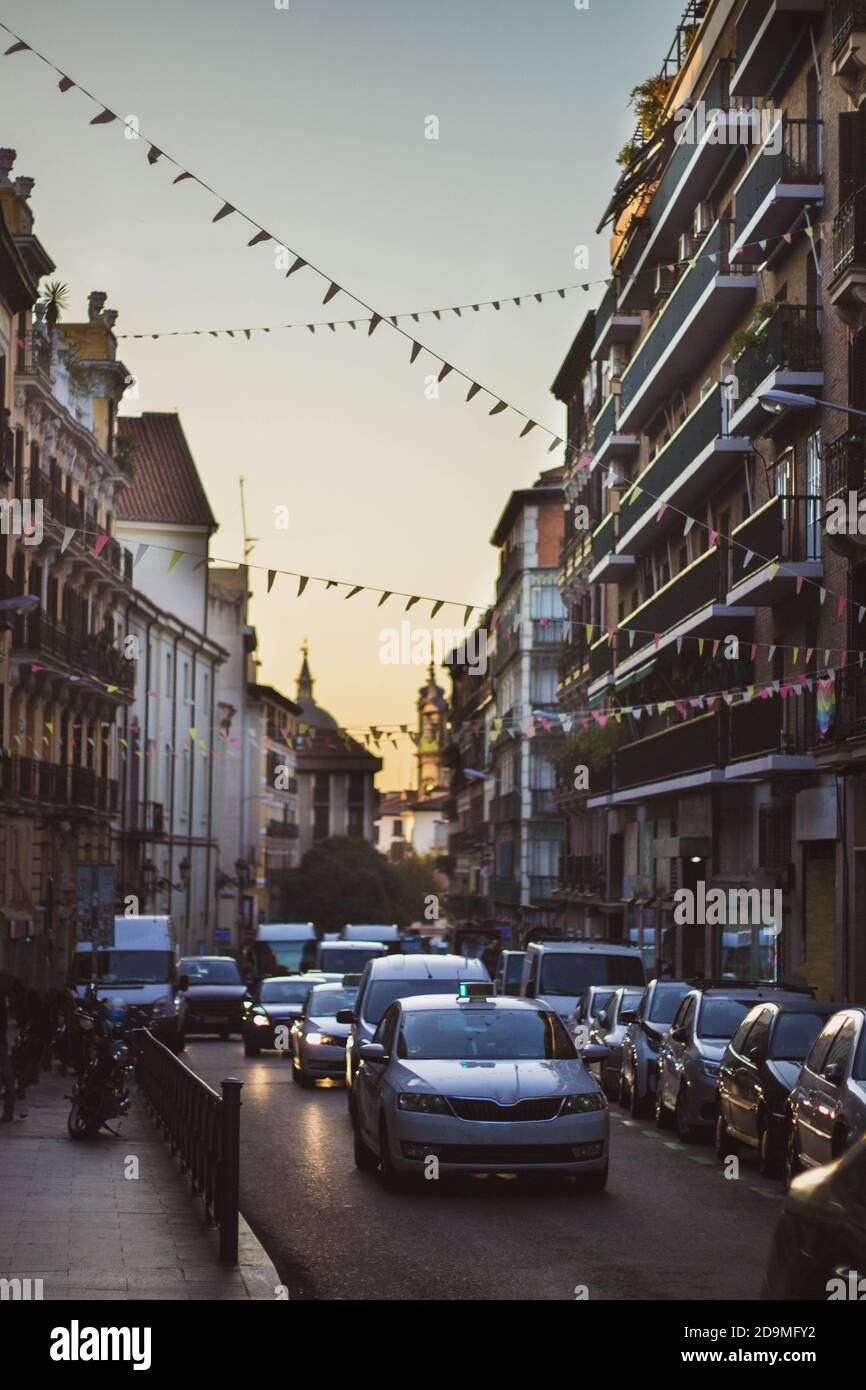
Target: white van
{"x": 557, "y": 972}
{"x": 367, "y": 931}
{"x": 348, "y": 957}
{"x": 141, "y": 968}
{"x": 284, "y": 948}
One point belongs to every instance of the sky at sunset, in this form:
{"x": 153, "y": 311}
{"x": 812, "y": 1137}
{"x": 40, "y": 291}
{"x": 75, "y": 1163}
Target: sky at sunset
{"x": 312, "y": 119}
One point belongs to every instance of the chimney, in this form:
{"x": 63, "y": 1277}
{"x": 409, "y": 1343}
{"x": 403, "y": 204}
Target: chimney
{"x": 109, "y": 318}
{"x": 7, "y": 159}
{"x": 95, "y": 304}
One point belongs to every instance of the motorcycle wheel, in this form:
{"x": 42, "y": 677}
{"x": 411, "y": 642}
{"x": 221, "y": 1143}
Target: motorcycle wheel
{"x": 81, "y": 1123}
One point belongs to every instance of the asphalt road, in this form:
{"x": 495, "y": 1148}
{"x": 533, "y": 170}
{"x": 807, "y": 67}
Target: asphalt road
{"x": 669, "y": 1226}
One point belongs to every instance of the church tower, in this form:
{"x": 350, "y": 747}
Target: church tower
{"x": 432, "y": 712}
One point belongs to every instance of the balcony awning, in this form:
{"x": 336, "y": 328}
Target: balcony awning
{"x": 632, "y": 676}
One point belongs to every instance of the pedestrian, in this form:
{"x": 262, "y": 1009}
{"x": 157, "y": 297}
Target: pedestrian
{"x": 7, "y": 1075}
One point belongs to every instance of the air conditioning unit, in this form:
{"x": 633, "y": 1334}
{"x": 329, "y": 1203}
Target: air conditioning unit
{"x": 664, "y": 280}
{"x": 704, "y": 219}
{"x": 686, "y": 247}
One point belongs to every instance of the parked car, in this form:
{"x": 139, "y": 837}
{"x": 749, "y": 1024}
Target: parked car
{"x": 481, "y": 1084}
{"x": 508, "y": 972}
{"x": 642, "y": 1041}
{"x": 759, "y": 1069}
{"x": 214, "y": 995}
{"x": 819, "y": 1245}
{"x": 395, "y": 977}
{"x": 608, "y": 1032}
{"x": 317, "y": 1040}
{"x": 557, "y": 972}
{"x": 827, "y": 1105}
{"x": 335, "y": 956}
{"x": 691, "y": 1053}
{"x": 274, "y": 1002}
{"x": 591, "y": 1003}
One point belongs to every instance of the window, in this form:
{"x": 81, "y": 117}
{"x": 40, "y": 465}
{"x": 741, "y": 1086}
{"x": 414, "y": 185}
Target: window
{"x": 739, "y": 1038}
{"x": 815, "y": 1060}
{"x": 840, "y": 1048}
{"x": 166, "y": 689}
{"x": 759, "y": 1035}
{"x": 813, "y": 497}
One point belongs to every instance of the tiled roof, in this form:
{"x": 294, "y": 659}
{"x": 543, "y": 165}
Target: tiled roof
{"x": 166, "y": 486}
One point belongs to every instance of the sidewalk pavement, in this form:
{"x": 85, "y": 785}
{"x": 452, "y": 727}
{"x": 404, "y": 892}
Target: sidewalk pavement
{"x": 71, "y": 1217}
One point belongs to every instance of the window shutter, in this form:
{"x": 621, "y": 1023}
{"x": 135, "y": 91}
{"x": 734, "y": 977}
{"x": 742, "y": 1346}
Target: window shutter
{"x": 852, "y": 153}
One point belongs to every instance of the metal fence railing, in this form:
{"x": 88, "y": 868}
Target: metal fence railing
{"x": 202, "y": 1128}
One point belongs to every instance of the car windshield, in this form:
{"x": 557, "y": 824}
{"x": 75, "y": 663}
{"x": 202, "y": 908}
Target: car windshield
{"x": 124, "y": 967}
{"x": 284, "y": 991}
{"x": 324, "y": 1003}
{"x": 720, "y": 1018}
{"x": 666, "y": 1001}
{"x": 211, "y": 972}
{"x": 494, "y": 1035}
{"x": 345, "y": 960}
{"x": 794, "y": 1036}
{"x": 384, "y": 992}
{"x": 566, "y": 972}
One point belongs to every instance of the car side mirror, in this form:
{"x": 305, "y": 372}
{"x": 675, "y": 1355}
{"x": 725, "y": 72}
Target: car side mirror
{"x": 374, "y": 1053}
{"x": 345, "y": 1016}
{"x": 628, "y": 1016}
{"x": 183, "y": 983}
{"x": 835, "y": 1073}
{"x": 679, "y": 1034}
{"x": 594, "y": 1052}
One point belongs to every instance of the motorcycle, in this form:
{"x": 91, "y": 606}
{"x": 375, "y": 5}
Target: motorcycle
{"x": 101, "y": 1090}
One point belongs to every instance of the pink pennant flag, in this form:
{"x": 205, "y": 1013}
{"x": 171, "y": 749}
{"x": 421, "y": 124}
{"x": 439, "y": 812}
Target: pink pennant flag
{"x": 714, "y": 536}
{"x": 679, "y": 707}
{"x": 101, "y": 543}
{"x": 809, "y": 651}
{"x": 663, "y": 506}
{"x": 841, "y": 607}
{"x": 843, "y": 659}
{"x": 799, "y": 582}
{"x": 657, "y": 637}
{"x": 754, "y": 650}
{"x": 711, "y": 700}
{"x": 786, "y": 236}
{"x": 716, "y": 645}
{"x": 803, "y": 679}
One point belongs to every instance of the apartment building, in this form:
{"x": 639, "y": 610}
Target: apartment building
{"x": 471, "y": 714}
{"x": 725, "y": 617}
{"x": 527, "y": 828}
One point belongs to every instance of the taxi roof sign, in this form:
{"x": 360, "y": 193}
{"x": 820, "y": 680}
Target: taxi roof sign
{"x": 475, "y": 989}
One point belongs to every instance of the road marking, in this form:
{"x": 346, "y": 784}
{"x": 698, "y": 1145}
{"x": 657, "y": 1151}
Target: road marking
{"x": 651, "y": 1133}
{"x": 674, "y": 1144}
{"x": 762, "y": 1192}
{"x": 632, "y": 1124}
{"x": 699, "y": 1158}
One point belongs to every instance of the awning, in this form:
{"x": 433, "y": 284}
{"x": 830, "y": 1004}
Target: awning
{"x": 634, "y": 675}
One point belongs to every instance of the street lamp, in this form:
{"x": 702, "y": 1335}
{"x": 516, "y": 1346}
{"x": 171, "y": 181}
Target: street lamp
{"x": 12, "y": 608}
{"x": 777, "y": 402}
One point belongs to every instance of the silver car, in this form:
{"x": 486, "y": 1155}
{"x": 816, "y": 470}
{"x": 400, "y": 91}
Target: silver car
{"x": 642, "y": 1041}
{"x": 318, "y": 1041}
{"x": 608, "y": 1032}
{"x": 689, "y": 1060}
{"x": 477, "y": 1084}
{"x": 827, "y": 1106}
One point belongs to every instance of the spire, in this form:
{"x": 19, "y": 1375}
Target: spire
{"x": 305, "y": 681}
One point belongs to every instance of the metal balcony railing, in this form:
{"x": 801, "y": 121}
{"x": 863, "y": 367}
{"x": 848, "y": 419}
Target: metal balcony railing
{"x": 849, "y": 234}
{"x": 542, "y": 887}
{"x": 146, "y": 818}
{"x": 846, "y": 18}
{"x": 700, "y": 584}
{"x": 605, "y": 422}
{"x": 602, "y": 658}
{"x": 582, "y": 873}
{"x": 694, "y": 746}
{"x": 797, "y": 161}
{"x": 604, "y": 538}
{"x": 34, "y": 355}
{"x": 504, "y": 890}
{"x": 544, "y": 802}
{"x": 511, "y": 565}
{"x": 790, "y": 340}
{"x": 505, "y": 807}
{"x": 696, "y": 432}
{"x": 845, "y": 465}
{"x": 785, "y": 528}
{"x": 90, "y": 654}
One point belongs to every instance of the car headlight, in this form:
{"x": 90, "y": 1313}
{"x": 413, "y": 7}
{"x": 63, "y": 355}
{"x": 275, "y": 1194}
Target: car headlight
{"x": 260, "y": 1019}
{"x": 319, "y": 1039}
{"x": 587, "y": 1100}
{"x": 711, "y": 1069}
{"x": 421, "y": 1103}
{"x": 162, "y": 1008}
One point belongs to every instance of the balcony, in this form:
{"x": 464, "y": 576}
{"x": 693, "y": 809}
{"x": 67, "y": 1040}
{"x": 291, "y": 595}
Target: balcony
{"x": 778, "y": 184}
{"x": 693, "y": 600}
{"x": 34, "y": 356}
{"x": 776, "y": 546}
{"x": 703, "y": 146}
{"x": 582, "y": 875}
{"x": 784, "y": 355}
{"x": 544, "y": 803}
{"x": 547, "y": 632}
{"x": 707, "y": 301}
{"x": 611, "y": 445}
{"x": 505, "y": 807}
{"x": 848, "y": 25}
{"x": 613, "y": 327}
{"x": 574, "y": 660}
{"x": 608, "y": 566}
{"x": 847, "y": 283}
{"x": 7, "y": 453}
{"x": 766, "y": 33}
{"x": 574, "y": 566}
{"x": 282, "y": 830}
{"x": 504, "y": 890}
{"x": 511, "y": 565}
{"x": 602, "y": 660}
{"x": 693, "y": 461}
{"x": 845, "y": 466}
{"x": 146, "y": 818}
{"x": 90, "y": 654}
{"x": 542, "y": 889}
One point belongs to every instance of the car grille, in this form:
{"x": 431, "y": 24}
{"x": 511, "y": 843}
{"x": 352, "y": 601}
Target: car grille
{"x": 544, "y": 1108}
{"x": 504, "y": 1155}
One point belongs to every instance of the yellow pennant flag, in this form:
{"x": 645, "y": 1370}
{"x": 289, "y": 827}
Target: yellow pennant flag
{"x": 175, "y": 556}
{"x": 700, "y": 646}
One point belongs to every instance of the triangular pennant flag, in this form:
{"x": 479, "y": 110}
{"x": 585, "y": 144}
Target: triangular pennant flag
{"x": 104, "y": 118}
{"x": 180, "y": 178}
{"x": 748, "y": 558}
{"x": 225, "y": 211}
{"x": 679, "y": 645}
{"x": 416, "y": 348}
{"x": 411, "y": 604}
{"x": 714, "y": 536}
{"x": 68, "y": 533}
{"x": 690, "y": 521}
{"x": 65, "y": 84}
{"x": 774, "y": 570}
{"x": 841, "y": 607}
{"x": 436, "y": 606}
{"x": 153, "y": 154}
{"x": 374, "y": 324}
{"x": 297, "y": 264}
{"x": 141, "y": 552}
{"x": 332, "y": 289}
{"x": 499, "y": 406}
{"x": 530, "y": 425}
{"x": 272, "y": 574}
{"x": 822, "y": 594}
{"x": 446, "y": 368}
{"x": 101, "y": 543}
{"x": 20, "y": 47}
{"x": 356, "y": 590}
{"x": 861, "y": 614}
{"x": 663, "y": 506}
{"x": 473, "y": 390}
{"x": 175, "y": 556}
{"x": 555, "y": 445}
{"x": 799, "y": 582}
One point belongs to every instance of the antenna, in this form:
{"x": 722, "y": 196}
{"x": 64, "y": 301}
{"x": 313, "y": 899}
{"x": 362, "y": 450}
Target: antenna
{"x": 250, "y": 542}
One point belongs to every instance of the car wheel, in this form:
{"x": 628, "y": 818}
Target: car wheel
{"x": 624, "y": 1091}
{"x": 726, "y": 1147}
{"x": 365, "y": 1160}
{"x": 251, "y": 1049}
{"x": 308, "y": 1082}
{"x": 685, "y": 1129}
{"x": 638, "y": 1107}
{"x": 769, "y": 1164}
{"x": 591, "y": 1182}
{"x": 392, "y": 1181}
{"x": 793, "y": 1162}
{"x": 662, "y": 1115}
